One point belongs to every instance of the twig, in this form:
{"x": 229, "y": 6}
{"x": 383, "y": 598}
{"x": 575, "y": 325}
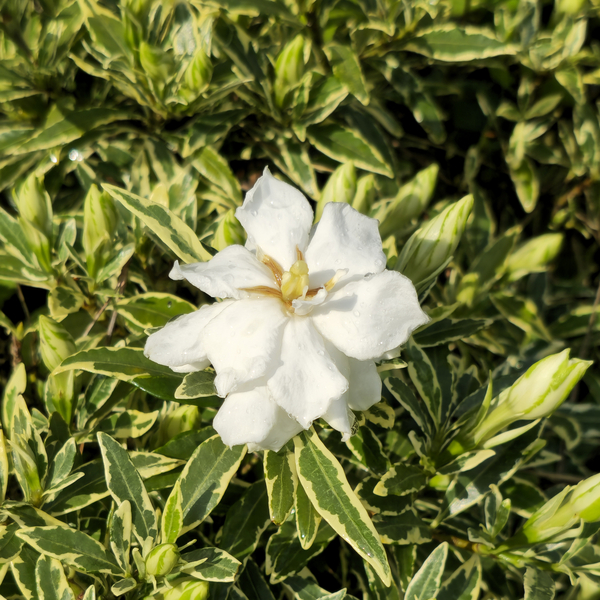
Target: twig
{"x": 559, "y": 477}
{"x": 96, "y": 317}
{"x": 23, "y": 303}
{"x": 120, "y": 286}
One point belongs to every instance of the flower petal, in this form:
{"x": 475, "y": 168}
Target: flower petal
{"x": 244, "y": 341}
{"x": 364, "y": 382}
{"x": 277, "y": 218}
{"x": 340, "y": 417}
{"x": 177, "y": 344}
{"x": 227, "y": 274}
{"x": 366, "y": 318}
{"x": 303, "y": 307}
{"x": 344, "y": 238}
{"x": 254, "y": 418}
{"x": 307, "y": 380}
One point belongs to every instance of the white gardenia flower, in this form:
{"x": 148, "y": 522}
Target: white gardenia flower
{"x": 306, "y": 314}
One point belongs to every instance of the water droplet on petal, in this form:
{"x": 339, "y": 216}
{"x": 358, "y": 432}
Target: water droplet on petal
{"x": 356, "y": 313}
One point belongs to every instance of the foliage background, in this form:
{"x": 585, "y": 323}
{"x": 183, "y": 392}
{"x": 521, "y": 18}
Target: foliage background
{"x": 399, "y": 108}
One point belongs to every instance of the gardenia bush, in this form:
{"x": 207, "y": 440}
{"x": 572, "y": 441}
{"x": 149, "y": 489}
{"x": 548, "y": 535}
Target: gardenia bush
{"x": 299, "y": 300}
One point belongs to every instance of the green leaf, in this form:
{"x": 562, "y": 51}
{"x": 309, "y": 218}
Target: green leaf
{"x": 153, "y": 309}
{"x": 343, "y": 145}
{"x": 120, "y": 534}
{"x": 245, "y": 522}
{"x": 172, "y": 517}
{"x": 51, "y": 581}
{"x": 252, "y": 583}
{"x": 448, "y": 330}
{"x": 281, "y": 479}
{"x": 124, "y": 586}
{"x": 539, "y": 585}
{"x": 464, "y": 583}
{"x": 307, "y": 519}
{"x": 167, "y": 226}
{"x": 125, "y": 364}
{"x": 383, "y": 505}
{"x": 124, "y": 483}
{"x": 205, "y": 479}
{"x": 23, "y": 570}
{"x": 14, "y": 238}
{"x": 128, "y": 424}
{"x": 62, "y": 463}
{"x": 408, "y": 400}
{"x": 406, "y": 528}
{"x": 305, "y": 588}
{"x": 346, "y": 68}
{"x": 452, "y": 44}
{"x": 215, "y": 565}
{"x": 196, "y": 385}
{"x": 326, "y": 486}
{"x": 213, "y": 167}
{"x": 72, "y": 547}
{"x": 401, "y": 480}
{"x": 367, "y": 447}
{"x": 285, "y": 555}
{"x": 427, "y": 580}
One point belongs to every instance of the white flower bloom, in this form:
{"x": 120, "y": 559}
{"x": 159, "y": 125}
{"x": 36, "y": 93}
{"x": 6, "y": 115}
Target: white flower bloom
{"x": 307, "y": 313}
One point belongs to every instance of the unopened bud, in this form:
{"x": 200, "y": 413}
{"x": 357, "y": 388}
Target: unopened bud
{"x": 365, "y": 193}
{"x": 430, "y": 247}
{"x": 190, "y": 590}
{"x": 534, "y": 255}
{"x": 289, "y": 68}
{"x": 536, "y": 394}
{"x": 56, "y": 343}
{"x": 161, "y": 560}
{"x": 410, "y": 201}
{"x": 34, "y": 205}
{"x": 99, "y": 223}
{"x": 340, "y": 187}
{"x": 229, "y": 231}
{"x": 198, "y": 73}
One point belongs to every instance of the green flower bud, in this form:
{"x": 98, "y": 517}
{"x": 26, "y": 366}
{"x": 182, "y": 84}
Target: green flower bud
{"x": 198, "y": 73}
{"x": 536, "y": 394}
{"x": 340, "y": 187}
{"x": 564, "y": 511}
{"x": 183, "y": 418}
{"x": 155, "y": 62}
{"x": 190, "y": 590}
{"x": 534, "y": 255}
{"x": 410, "y": 201}
{"x": 229, "y": 231}
{"x": 428, "y": 249}
{"x": 99, "y": 224}
{"x": 56, "y": 342}
{"x": 289, "y": 68}
{"x": 34, "y": 205}
{"x": 161, "y": 560}
{"x": 365, "y": 193}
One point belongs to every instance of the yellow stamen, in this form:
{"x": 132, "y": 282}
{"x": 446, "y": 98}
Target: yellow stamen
{"x": 294, "y": 283}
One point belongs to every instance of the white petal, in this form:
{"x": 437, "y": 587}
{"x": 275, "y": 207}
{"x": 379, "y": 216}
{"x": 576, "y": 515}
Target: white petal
{"x": 364, "y": 388}
{"x": 253, "y": 418}
{"x": 244, "y": 341}
{"x": 277, "y": 218}
{"x": 307, "y": 380}
{"x": 340, "y": 417}
{"x": 177, "y": 344}
{"x": 303, "y": 307}
{"x": 344, "y": 239}
{"x": 366, "y": 318}
{"x": 226, "y": 274}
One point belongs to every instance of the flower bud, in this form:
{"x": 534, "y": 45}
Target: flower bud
{"x": 410, "y": 201}
{"x": 99, "y": 218}
{"x": 365, "y": 193}
{"x": 34, "y": 205}
{"x": 161, "y": 560}
{"x": 229, "y": 231}
{"x": 289, "y": 68}
{"x": 430, "y": 247}
{"x": 534, "y": 255}
{"x": 155, "y": 62}
{"x": 56, "y": 342}
{"x": 564, "y": 511}
{"x": 190, "y": 590}
{"x": 183, "y": 418}
{"x": 198, "y": 73}
{"x": 340, "y": 187}
{"x": 536, "y": 394}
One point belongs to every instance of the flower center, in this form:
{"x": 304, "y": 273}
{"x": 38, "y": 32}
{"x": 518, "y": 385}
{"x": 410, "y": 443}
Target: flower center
{"x": 294, "y": 283}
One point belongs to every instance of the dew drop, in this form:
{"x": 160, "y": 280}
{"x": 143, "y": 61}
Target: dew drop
{"x": 378, "y": 263}
{"x": 356, "y": 313}
{"x": 254, "y": 213}
{"x": 169, "y": 304}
